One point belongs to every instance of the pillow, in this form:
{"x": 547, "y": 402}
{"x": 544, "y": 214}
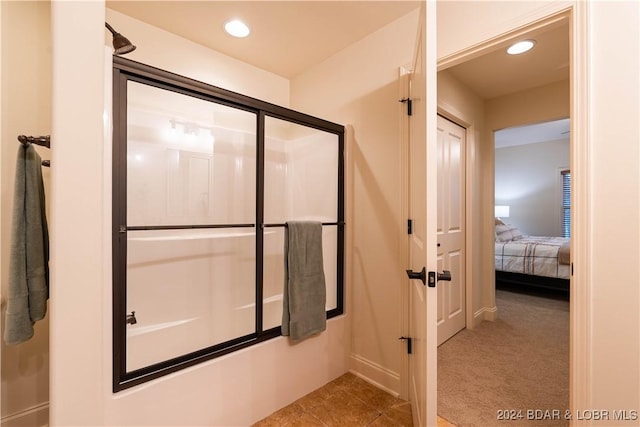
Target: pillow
{"x": 499, "y": 222}
{"x": 515, "y": 233}
{"x": 507, "y": 232}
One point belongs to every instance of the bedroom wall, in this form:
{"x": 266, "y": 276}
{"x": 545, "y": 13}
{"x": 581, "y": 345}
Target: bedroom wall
{"x": 528, "y": 181}
{"x": 25, "y": 91}
{"x": 459, "y": 103}
{"x": 365, "y": 97}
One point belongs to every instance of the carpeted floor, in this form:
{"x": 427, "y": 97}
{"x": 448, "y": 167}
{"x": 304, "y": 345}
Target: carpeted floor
{"x": 516, "y": 368}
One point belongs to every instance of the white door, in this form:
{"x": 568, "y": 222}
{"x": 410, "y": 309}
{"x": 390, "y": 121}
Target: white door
{"x": 451, "y": 232}
{"x": 422, "y": 202}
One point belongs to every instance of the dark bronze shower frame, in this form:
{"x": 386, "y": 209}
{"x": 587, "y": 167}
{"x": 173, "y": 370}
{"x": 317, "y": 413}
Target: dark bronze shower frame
{"x": 125, "y": 70}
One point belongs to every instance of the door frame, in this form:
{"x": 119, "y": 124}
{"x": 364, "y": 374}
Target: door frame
{"x": 580, "y": 359}
{"x": 454, "y": 115}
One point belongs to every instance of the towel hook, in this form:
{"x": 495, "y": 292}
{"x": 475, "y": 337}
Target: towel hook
{"x": 44, "y": 141}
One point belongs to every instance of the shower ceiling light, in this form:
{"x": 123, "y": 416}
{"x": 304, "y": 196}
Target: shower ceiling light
{"x": 237, "y": 28}
{"x": 521, "y": 47}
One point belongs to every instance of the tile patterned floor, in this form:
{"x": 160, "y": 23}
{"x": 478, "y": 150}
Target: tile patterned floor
{"x": 347, "y": 401}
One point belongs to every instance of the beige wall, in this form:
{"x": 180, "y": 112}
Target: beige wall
{"x": 537, "y": 105}
{"x": 26, "y": 105}
{"x": 614, "y": 175}
{"x": 360, "y": 87}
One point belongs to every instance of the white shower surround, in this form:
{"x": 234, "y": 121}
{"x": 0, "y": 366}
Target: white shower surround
{"x": 191, "y": 289}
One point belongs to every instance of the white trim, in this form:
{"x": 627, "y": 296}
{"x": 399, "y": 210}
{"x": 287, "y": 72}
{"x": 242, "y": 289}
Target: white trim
{"x": 431, "y": 110}
{"x": 375, "y": 374}
{"x": 37, "y": 415}
{"x": 485, "y": 313}
{"x": 581, "y": 308}
{"x": 404, "y": 74}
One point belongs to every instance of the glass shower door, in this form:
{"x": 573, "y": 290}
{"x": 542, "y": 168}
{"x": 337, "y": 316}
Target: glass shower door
{"x": 191, "y": 235}
{"x": 204, "y": 180}
{"x": 301, "y": 183}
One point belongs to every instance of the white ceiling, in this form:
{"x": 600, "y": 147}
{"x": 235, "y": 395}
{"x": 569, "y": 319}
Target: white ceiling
{"x": 287, "y": 37}
{"x": 541, "y": 132}
{"x": 290, "y": 36}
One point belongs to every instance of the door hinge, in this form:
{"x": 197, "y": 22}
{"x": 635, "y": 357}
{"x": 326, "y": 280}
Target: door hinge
{"x": 409, "y": 226}
{"x": 409, "y": 103}
{"x": 408, "y": 340}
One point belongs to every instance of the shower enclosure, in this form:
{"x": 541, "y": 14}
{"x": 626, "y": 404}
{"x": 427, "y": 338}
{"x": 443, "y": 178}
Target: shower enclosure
{"x": 204, "y": 181}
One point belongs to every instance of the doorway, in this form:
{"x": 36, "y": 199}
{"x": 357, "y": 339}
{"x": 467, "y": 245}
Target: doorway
{"x": 478, "y": 92}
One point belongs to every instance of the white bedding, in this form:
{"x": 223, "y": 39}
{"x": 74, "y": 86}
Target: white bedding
{"x": 533, "y": 255}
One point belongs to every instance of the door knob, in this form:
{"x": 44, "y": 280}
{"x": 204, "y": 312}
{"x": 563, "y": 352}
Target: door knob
{"x": 422, "y": 275}
{"x": 445, "y": 275}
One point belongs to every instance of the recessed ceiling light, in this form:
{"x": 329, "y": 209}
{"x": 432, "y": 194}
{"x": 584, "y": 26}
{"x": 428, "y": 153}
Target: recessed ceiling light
{"x": 237, "y": 28}
{"x": 521, "y": 47}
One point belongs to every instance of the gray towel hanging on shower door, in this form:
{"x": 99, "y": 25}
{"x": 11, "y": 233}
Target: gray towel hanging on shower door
{"x": 304, "y": 297}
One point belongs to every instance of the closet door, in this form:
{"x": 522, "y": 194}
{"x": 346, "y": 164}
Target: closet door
{"x": 451, "y": 228}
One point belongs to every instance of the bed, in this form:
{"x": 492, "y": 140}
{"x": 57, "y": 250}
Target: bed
{"x": 537, "y": 261}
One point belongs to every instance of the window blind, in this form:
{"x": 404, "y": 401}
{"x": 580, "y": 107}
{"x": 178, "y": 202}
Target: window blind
{"x": 566, "y": 203}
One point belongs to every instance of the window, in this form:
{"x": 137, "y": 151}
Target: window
{"x": 204, "y": 181}
{"x": 566, "y": 203}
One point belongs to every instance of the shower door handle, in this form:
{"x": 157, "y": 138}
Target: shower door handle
{"x": 421, "y": 275}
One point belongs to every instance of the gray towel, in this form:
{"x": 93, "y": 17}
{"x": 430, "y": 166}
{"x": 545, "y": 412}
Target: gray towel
{"x": 28, "y": 288}
{"x": 305, "y": 295}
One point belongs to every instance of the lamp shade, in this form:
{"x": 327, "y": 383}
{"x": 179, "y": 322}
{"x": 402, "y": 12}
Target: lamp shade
{"x": 502, "y": 211}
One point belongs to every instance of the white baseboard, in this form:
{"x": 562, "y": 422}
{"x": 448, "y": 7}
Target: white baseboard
{"x": 485, "y": 313}
{"x": 35, "y": 416}
{"x": 375, "y": 374}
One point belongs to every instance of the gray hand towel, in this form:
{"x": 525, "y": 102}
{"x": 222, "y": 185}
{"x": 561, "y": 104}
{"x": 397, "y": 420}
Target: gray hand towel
{"x": 305, "y": 296}
{"x": 28, "y": 288}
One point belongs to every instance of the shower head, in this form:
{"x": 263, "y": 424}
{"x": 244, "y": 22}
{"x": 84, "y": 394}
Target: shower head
{"x": 121, "y": 44}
